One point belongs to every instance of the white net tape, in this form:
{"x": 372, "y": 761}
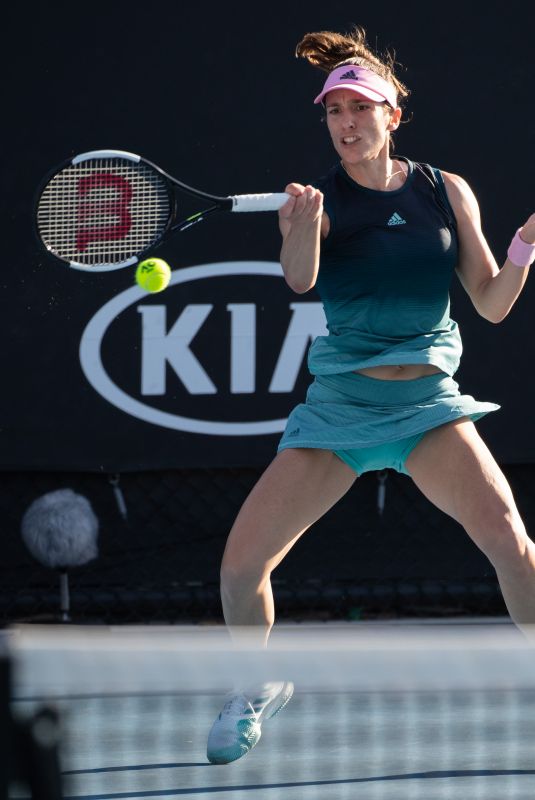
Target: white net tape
{"x": 377, "y": 713}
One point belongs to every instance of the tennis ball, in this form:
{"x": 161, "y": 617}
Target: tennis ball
{"x": 153, "y": 274}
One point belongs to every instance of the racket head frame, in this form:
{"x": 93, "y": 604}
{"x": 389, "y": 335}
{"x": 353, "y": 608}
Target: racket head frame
{"x": 171, "y": 224}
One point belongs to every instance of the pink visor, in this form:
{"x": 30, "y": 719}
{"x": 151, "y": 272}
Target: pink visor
{"x": 360, "y": 80}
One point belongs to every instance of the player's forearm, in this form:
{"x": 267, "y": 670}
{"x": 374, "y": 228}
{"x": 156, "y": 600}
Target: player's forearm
{"x": 499, "y": 293}
{"x": 300, "y": 255}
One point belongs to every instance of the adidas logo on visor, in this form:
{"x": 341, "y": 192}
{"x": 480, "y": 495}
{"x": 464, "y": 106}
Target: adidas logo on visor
{"x": 395, "y": 219}
{"x": 351, "y": 75}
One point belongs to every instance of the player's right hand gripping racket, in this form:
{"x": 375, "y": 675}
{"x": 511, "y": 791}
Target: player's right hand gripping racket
{"x": 103, "y": 210}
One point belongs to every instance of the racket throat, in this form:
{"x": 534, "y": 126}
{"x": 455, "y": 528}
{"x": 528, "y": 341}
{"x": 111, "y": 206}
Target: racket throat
{"x": 193, "y": 219}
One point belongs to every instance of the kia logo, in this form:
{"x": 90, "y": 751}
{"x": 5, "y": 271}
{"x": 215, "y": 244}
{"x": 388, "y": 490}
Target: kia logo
{"x": 211, "y": 351}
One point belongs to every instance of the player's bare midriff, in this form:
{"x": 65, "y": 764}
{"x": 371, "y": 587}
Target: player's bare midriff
{"x": 398, "y": 372}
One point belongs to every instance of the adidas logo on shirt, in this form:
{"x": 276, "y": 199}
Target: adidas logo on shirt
{"x": 395, "y": 219}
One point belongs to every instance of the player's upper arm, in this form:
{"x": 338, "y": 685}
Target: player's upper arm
{"x": 476, "y": 264}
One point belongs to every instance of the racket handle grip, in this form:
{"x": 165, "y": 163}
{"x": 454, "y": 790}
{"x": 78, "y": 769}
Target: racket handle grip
{"x": 259, "y": 202}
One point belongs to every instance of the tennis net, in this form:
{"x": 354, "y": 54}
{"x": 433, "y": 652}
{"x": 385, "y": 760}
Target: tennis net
{"x": 379, "y": 711}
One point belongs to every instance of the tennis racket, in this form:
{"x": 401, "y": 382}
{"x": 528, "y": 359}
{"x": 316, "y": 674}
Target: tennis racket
{"x": 104, "y": 210}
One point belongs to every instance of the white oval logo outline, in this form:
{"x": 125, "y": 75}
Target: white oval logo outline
{"x": 94, "y": 371}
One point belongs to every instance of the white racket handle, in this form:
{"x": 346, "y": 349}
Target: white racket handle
{"x": 259, "y": 202}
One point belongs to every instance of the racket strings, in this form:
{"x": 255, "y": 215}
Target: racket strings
{"x": 103, "y": 211}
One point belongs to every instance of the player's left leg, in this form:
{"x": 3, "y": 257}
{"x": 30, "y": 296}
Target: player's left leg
{"x": 454, "y": 469}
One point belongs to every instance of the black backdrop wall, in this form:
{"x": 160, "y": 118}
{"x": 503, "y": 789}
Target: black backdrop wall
{"x": 215, "y": 95}
{"x": 99, "y": 377}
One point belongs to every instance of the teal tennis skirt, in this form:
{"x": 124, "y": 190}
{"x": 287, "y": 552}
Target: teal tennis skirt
{"x": 351, "y": 410}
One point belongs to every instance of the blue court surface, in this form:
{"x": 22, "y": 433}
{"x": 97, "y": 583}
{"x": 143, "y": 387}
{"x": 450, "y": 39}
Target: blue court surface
{"x": 378, "y": 712}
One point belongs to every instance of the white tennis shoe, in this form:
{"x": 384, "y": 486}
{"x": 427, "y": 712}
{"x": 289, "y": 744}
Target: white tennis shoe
{"x": 238, "y": 727}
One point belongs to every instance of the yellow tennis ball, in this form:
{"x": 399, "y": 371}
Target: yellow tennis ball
{"x": 153, "y": 274}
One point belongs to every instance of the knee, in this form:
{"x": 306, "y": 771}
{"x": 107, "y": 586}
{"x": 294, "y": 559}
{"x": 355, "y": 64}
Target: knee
{"x": 241, "y": 574}
{"x": 503, "y": 538}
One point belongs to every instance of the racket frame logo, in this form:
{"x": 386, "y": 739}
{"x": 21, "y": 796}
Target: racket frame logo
{"x": 117, "y": 208}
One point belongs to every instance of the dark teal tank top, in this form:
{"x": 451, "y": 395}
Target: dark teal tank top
{"x": 384, "y": 276}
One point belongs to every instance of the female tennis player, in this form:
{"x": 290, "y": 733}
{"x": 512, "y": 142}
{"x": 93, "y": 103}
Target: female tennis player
{"x": 379, "y": 237}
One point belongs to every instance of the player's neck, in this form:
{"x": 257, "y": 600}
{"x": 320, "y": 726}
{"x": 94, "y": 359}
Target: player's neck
{"x": 375, "y": 175}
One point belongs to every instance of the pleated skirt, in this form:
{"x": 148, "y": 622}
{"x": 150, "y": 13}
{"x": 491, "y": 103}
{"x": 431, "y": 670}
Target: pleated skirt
{"x": 351, "y": 410}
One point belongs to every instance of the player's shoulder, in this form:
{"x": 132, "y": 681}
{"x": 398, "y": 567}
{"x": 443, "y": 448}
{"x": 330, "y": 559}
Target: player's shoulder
{"x": 453, "y": 179}
{"x": 455, "y": 184}
{"x": 460, "y": 196}
{"x": 458, "y": 188}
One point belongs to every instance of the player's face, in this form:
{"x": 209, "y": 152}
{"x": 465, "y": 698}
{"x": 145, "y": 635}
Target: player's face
{"x": 359, "y": 127}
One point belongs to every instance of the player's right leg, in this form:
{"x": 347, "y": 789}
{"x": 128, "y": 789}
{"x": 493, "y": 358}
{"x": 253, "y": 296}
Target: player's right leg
{"x": 297, "y": 488}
